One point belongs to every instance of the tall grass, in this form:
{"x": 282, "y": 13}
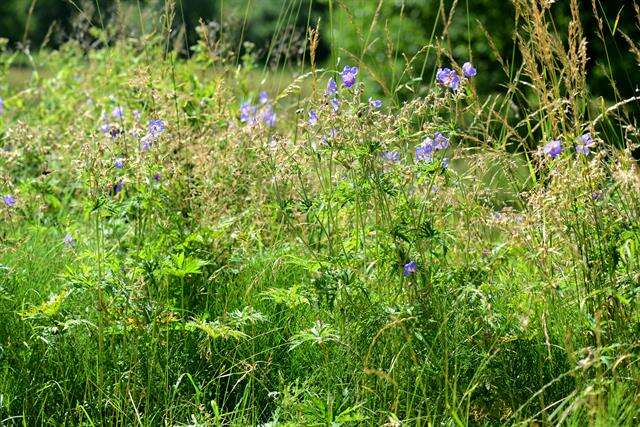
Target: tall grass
{"x": 182, "y": 261}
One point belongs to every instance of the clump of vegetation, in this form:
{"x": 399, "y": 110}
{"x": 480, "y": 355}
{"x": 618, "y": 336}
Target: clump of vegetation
{"x": 198, "y": 241}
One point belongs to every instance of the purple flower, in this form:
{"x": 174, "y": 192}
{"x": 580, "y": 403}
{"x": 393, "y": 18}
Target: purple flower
{"x": 247, "y": 112}
{"x": 313, "y": 117}
{"x": 104, "y": 128}
{"x": 448, "y": 78}
{"x": 269, "y": 116}
{"x": 585, "y": 142}
{"x": 1, "y": 106}
{"x": 115, "y": 132}
{"x": 332, "y": 134}
{"x": 68, "y": 240}
{"x": 441, "y": 142}
{"x": 468, "y": 70}
{"x": 391, "y": 156}
{"x": 157, "y": 177}
{"x": 409, "y": 268}
{"x": 119, "y": 163}
{"x": 156, "y": 127}
{"x": 596, "y": 195}
{"x": 146, "y": 142}
{"x": 9, "y": 200}
{"x": 335, "y": 104}
{"x": 118, "y": 112}
{"x": 445, "y": 163}
{"x": 424, "y": 151}
{"x": 332, "y": 87}
{"x": 553, "y": 148}
{"x": 137, "y": 115}
{"x": 263, "y": 97}
{"x": 348, "y": 75}
{"x": 375, "y": 103}
{"x": 118, "y": 187}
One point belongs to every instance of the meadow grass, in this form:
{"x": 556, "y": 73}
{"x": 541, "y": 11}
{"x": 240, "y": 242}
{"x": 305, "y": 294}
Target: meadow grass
{"x": 178, "y": 248}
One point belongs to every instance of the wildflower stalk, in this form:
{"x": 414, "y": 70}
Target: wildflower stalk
{"x": 98, "y": 235}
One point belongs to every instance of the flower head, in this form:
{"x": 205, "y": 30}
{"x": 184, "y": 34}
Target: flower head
{"x": 118, "y": 186}
{"x": 263, "y": 97}
{"x": 445, "y": 163}
{"x": 585, "y": 142}
{"x": 441, "y": 142}
{"x": 269, "y": 116}
{"x": 448, "y": 78}
{"x": 9, "y": 200}
{"x": 68, "y": 240}
{"x": 348, "y": 75}
{"x": 409, "y": 268}
{"x": 146, "y": 142}
{"x": 332, "y": 87}
{"x": 375, "y": 103}
{"x": 137, "y": 115}
{"x": 118, "y": 163}
{"x": 1, "y": 106}
{"x": 115, "y": 131}
{"x": 335, "y": 104}
{"x": 313, "y": 117}
{"x": 332, "y": 134}
{"x": 247, "y": 113}
{"x": 553, "y": 148}
{"x": 391, "y": 156}
{"x": 424, "y": 151}
{"x": 157, "y": 176}
{"x": 156, "y": 127}
{"x": 118, "y": 112}
{"x": 468, "y": 70}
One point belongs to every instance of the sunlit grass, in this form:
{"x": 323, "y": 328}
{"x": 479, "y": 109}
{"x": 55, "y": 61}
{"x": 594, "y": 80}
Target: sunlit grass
{"x": 179, "y": 248}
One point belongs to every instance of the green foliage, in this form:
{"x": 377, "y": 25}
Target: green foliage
{"x": 217, "y": 270}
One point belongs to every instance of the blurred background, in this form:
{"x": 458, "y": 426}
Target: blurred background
{"x": 480, "y": 30}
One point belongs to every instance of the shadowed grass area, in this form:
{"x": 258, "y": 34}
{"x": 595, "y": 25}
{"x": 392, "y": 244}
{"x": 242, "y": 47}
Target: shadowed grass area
{"x": 19, "y": 77}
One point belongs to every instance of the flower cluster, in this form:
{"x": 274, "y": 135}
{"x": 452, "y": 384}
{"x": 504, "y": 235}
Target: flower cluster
{"x": 248, "y": 113}
{"x": 584, "y": 143}
{"x": 429, "y": 146}
{"x": 348, "y": 76}
{"x": 252, "y": 115}
{"x": 331, "y": 92}
{"x": 107, "y": 127}
{"x": 155, "y": 128}
{"x": 450, "y": 79}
